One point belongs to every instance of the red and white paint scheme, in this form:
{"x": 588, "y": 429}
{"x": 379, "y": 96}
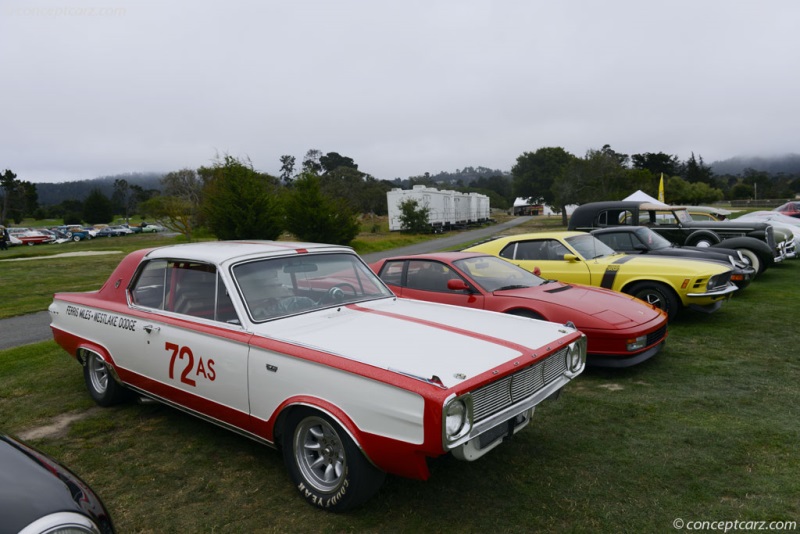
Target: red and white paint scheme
{"x": 300, "y": 346}
{"x": 27, "y": 236}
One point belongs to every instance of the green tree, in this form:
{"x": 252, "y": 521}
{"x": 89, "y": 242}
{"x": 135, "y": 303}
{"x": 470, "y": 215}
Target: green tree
{"x": 240, "y": 203}
{"x": 333, "y": 160}
{"x": 311, "y": 161}
{"x": 287, "y": 168}
{"x": 414, "y": 217}
{"x": 314, "y": 216}
{"x": 122, "y": 198}
{"x": 97, "y": 208}
{"x": 535, "y": 173}
{"x": 695, "y": 170}
{"x": 657, "y": 163}
{"x": 174, "y": 213}
{"x": 9, "y": 183}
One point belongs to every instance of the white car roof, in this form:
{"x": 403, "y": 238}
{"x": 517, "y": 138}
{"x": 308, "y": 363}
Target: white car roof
{"x": 228, "y": 251}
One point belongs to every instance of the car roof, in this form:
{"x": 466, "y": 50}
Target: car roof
{"x": 228, "y": 251}
{"x": 441, "y": 256}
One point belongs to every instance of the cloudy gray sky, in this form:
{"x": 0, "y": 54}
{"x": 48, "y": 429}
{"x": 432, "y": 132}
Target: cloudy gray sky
{"x": 105, "y": 87}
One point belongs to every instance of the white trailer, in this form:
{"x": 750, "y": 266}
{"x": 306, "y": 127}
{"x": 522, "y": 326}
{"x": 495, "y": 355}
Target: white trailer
{"x": 445, "y": 208}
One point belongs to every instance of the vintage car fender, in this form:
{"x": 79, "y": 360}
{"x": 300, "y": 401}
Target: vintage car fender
{"x": 749, "y": 247}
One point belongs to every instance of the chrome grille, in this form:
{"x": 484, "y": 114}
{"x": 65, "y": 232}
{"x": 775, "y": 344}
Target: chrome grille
{"x": 497, "y": 396}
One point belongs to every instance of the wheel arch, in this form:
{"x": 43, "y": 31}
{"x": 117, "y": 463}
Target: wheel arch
{"x": 526, "y": 312}
{"x": 83, "y": 351}
{"x": 338, "y": 415}
{"x": 630, "y": 283}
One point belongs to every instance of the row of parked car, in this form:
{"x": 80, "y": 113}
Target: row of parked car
{"x": 66, "y": 233}
{"x": 355, "y": 371}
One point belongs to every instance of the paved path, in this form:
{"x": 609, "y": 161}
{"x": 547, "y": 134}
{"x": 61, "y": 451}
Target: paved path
{"x": 35, "y": 327}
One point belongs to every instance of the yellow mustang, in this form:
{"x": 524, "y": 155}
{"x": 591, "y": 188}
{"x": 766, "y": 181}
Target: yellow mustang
{"x": 577, "y": 257}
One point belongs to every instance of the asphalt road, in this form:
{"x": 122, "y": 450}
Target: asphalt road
{"x": 35, "y": 327}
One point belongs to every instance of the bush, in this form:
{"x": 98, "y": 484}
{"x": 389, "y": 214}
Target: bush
{"x": 240, "y": 203}
{"x": 414, "y": 217}
{"x": 313, "y": 216}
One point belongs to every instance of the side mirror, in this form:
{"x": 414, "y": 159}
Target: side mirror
{"x": 456, "y": 284}
{"x": 570, "y": 258}
{"x": 537, "y": 271}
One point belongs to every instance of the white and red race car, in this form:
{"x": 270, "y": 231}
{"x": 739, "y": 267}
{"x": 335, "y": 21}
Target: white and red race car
{"x": 302, "y": 347}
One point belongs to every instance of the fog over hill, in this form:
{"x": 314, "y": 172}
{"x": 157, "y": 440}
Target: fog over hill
{"x": 55, "y": 193}
{"x": 787, "y": 164}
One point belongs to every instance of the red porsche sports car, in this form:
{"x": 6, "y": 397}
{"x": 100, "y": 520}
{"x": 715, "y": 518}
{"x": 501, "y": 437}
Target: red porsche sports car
{"x": 621, "y": 330}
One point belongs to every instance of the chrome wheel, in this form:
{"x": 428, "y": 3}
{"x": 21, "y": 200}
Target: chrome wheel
{"x": 98, "y": 374}
{"x": 319, "y": 454}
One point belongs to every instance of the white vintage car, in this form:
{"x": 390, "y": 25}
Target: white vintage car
{"x": 301, "y": 347}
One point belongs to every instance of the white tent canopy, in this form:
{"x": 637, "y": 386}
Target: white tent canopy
{"x": 641, "y": 196}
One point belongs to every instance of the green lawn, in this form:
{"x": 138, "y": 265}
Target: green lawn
{"x": 707, "y": 430}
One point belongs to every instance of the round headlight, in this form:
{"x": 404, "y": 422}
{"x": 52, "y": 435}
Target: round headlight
{"x": 456, "y": 416}
{"x": 574, "y": 357}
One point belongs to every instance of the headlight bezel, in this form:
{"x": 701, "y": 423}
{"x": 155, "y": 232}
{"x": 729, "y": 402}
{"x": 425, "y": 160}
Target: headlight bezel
{"x": 460, "y": 407}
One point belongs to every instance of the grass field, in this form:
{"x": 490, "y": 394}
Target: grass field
{"x": 706, "y": 431}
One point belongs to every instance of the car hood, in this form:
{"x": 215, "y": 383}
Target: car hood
{"x": 613, "y": 308}
{"x": 416, "y": 338}
{"x": 662, "y": 264}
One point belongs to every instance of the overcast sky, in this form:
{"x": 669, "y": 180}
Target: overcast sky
{"x": 106, "y": 87}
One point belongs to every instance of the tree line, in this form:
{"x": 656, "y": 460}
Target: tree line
{"x": 553, "y": 176}
{"x": 322, "y": 197}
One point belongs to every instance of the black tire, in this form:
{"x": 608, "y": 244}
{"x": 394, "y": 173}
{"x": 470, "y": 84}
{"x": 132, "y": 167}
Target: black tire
{"x": 657, "y": 294}
{"x": 325, "y": 465}
{"x": 526, "y": 313}
{"x": 101, "y": 384}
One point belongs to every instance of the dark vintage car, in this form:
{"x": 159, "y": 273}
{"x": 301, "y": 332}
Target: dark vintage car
{"x": 38, "y": 494}
{"x": 643, "y": 240}
{"x": 755, "y": 240}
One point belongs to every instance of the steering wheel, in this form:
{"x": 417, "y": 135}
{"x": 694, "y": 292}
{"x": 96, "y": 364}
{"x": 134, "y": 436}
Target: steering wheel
{"x": 336, "y": 293}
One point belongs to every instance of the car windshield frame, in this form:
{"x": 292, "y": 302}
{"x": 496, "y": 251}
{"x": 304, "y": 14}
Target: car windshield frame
{"x": 492, "y": 274}
{"x": 276, "y": 287}
{"x": 589, "y": 247}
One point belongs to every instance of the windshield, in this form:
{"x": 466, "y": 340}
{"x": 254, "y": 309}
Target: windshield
{"x": 653, "y": 240}
{"x": 277, "y": 287}
{"x": 589, "y": 246}
{"x": 493, "y": 274}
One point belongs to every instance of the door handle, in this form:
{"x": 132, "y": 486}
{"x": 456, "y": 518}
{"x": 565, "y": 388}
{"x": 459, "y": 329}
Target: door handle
{"x": 149, "y": 328}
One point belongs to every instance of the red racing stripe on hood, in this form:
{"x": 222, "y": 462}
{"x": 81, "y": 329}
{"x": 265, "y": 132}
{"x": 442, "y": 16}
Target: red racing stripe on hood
{"x": 483, "y": 337}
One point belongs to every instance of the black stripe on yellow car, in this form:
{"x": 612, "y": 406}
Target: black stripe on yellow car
{"x": 612, "y": 270}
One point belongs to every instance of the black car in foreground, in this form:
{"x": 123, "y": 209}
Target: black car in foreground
{"x": 755, "y": 240}
{"x": 39, "y": 495}
{"x": 643, "y": 240}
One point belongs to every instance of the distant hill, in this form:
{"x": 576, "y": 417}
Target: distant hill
{"x": 51, "y": 194}
{"x": 788, "y": 164}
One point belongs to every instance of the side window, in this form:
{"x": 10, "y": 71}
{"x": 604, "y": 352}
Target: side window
{"x": 663, "y": 218}
{"x": 508, "y": 251}
{"x": 188, "y": 288}
{"x": 428, "y": 275}
{"x": 392, "y": 272}
{"x": 542, "y": 250}
{"x": 621, "y": 242}
{"x": 151, "y": 287}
